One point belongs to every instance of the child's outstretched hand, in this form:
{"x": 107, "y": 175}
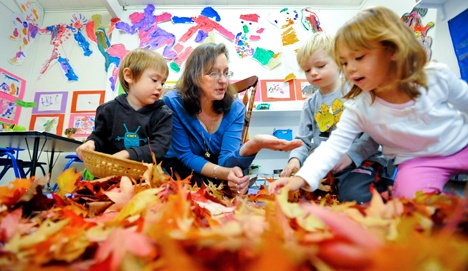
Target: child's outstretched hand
{"x": 291, "y": 184}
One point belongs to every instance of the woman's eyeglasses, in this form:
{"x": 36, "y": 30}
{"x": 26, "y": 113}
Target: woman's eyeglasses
{"x": 217, "y": 75}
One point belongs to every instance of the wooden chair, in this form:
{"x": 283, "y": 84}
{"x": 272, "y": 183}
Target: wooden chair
{"x": 249, "y": 85}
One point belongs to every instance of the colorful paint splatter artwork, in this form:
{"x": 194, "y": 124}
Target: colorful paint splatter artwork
{"x": 25, "y": 29}
{"x": 61, "y": 33}
{"x": 206, "y": 22}
{"x": 413, "y": 20}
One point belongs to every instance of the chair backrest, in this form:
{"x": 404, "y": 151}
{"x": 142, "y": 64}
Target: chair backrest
{"x": 249, "y": 85}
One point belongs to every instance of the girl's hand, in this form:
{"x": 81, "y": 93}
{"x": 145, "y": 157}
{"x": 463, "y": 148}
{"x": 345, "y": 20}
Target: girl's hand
{"x": 343, "y": 163}
{"x": 88, "y": 145}
{"x": 237, "y": 182}
{"x": 292, "y": 167}
{"x": 290, "y": 184}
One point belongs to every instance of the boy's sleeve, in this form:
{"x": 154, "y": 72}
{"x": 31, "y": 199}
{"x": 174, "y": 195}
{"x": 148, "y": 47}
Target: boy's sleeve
{"x": 100, "y": 131}
{"x": 305, "y": 133}
{"x": 362, "y": 149}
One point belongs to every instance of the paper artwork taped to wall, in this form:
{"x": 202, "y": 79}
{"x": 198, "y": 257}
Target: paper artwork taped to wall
{"x": 83, "y": 123}
{"x": 11, "y": 84}
{"x": 206, "y": 22}
{"x": 60, "y": 34}
{"x": 303, "y": 89}
{"x": 52, "y": 123}
{"x": 24, "y": 29}
{"x": 289, "y": 22}
{"x": 7, "y": 111}
{"x": 101, "y": 34}
{"x": 151, "y": 35}
{"x": 50, "y": 102}
{"x": 277, "y": 90}
{"x": 243, "y": 43}
{"x": 413, "y": 20}
{"x": 12, "y": 90}
{"x": 85, "y": 101}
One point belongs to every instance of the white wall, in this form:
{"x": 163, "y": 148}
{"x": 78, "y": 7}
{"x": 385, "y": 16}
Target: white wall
{"x": 92, "y": 75}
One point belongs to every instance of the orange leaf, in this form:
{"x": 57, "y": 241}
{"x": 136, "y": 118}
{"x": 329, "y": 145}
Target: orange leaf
{"x": 123, "y": 241}
{"x": 10, "y": 193}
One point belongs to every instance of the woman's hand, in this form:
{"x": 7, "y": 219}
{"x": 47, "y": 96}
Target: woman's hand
{"x": 258, "y": 142}
{"x": 290, "y": 184}
{"x": 343, "y": 163}
{"x": 88, "y": 145}
{"x": 237, "y": 182}
{"x": 291, "y": 168}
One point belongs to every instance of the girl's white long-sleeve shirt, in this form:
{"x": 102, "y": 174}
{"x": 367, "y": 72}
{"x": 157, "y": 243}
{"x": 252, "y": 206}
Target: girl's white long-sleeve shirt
{"x": 435, "y": 125}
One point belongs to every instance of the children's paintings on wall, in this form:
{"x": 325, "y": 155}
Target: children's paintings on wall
{"x": 50, "y": 102}
{"x": 87, "y": 101}
{"x": 12, "y": 90}
{"x": 303, "y": 89}
{"x": 8, "y": 112}
{"x": 52, "y": 123}
{"x": 82, "y": 123}
{"x": 277, "y": 90}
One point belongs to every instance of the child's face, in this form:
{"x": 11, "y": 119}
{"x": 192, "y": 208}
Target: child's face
{"x": 368, "y": 69}
{"x": 147, "y": 89}
{"x": 322, "y": 72}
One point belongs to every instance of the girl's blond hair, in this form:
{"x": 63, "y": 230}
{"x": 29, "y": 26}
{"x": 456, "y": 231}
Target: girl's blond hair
{"x": 140, "y": 59}
{"x": 381, "y": 25}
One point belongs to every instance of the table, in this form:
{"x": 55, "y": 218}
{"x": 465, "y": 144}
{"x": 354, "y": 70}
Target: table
{"x": 39, "y": 142}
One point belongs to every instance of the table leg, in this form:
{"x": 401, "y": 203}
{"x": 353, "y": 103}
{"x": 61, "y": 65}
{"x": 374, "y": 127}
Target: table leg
{"x": 51, "y": 162}
{"x": 34, "y": 157}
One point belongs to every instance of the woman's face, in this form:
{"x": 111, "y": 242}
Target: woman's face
{"x": 214, "y": 84}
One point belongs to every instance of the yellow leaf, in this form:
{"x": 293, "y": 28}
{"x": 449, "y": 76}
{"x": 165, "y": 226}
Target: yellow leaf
{"x": 292, "y": 210}
{"x": 66, "y": 181}
{"x": 138, "y": 203}
{"x": 43, "y": 232}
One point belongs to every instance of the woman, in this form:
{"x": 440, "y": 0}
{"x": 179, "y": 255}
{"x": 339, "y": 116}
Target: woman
{"x": 208, "y": 122}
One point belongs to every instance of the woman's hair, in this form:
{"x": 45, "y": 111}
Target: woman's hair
{"x": 200, "y": 63}
{"x": 138, "y": 60}
{"x": 319, "y": 41}
{"x": 381, "y": 25}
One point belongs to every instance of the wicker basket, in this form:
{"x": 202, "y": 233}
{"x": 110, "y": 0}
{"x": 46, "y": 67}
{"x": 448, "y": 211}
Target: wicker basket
{"x": 103, "y": 165}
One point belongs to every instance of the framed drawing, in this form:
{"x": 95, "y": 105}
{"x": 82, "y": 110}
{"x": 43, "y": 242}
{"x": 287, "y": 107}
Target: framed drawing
{"x": 50, "y": 102}
{"x": 52, "y": 123}
{"x": 277, "y": 90}
{"x": 303, "y": 89}
{"x": 83, "y": 123}
{"x": 11, "y": 84}
{"x": 86, "y": 101}
{"x": 9, "y": 111}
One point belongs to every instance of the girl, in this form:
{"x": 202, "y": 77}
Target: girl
{"x": 414, "y": 109}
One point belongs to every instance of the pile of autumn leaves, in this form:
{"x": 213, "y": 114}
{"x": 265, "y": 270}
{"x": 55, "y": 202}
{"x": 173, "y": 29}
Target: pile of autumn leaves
{"x": 163, "y": 224}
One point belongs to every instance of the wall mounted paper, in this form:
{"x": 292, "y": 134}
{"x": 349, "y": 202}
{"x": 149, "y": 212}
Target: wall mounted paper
{"x": 50, "y": 102}
{"x": 87, "y": 101}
